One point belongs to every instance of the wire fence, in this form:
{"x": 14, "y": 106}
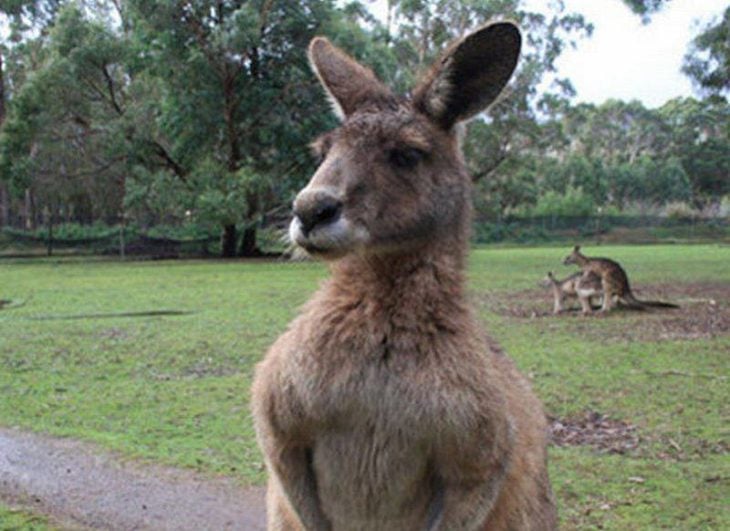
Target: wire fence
{"x": 609, "y": 229}
{"x": 121, "y": 241}
{"x": 167, "y": 242}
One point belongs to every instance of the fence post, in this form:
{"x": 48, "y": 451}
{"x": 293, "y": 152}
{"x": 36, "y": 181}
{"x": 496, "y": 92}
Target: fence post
{"x": 121, "y": 239}
{"x": 49, "y": 242}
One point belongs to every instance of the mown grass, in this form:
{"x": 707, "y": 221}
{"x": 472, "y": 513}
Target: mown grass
{"x": 175, "y": 388}
{"x": 12, "y": 519}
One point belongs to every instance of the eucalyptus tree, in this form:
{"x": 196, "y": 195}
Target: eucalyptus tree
{"x": 700, "y": 139}
{"x": 238, "y": 102}
{"x": 62, "y": 116}
{"x": 707, "y": 62}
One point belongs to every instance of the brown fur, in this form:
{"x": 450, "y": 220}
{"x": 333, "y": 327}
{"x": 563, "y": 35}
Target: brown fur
{"x": 384, "y": 406}
{"x": 574, "y": 286}
{"x": 614, "y": 282}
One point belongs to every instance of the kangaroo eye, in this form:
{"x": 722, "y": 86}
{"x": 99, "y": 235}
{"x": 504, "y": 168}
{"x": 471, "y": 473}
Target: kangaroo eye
{"x": 405, "y": 158}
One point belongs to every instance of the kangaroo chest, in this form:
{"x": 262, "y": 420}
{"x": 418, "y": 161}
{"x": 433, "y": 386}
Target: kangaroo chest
{"x": 376, "y": 408}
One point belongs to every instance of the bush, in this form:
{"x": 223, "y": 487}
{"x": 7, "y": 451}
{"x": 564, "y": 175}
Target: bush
{"x": 680, "y": 210}
{"x": 574, "y": 202}
{"x": 724, "y": 210}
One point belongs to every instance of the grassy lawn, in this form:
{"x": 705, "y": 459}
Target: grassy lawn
{"x": 18, "y": 520}
{"x": 174, "y": 388}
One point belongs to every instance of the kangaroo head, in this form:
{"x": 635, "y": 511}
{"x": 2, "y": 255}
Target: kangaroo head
{"x": 548, "y": 280}
{"x": 392, "y": 175}
{"x": 574, "y": 257}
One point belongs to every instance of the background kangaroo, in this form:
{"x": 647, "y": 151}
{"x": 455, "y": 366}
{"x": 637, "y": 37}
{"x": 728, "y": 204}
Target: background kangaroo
{"x": 614, "y": 281}
{"x": 384, "y": 406}
{"x": 584, "y": 288}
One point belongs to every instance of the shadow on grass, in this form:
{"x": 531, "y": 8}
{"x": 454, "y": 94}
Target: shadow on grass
{"x": 112, "y": 315}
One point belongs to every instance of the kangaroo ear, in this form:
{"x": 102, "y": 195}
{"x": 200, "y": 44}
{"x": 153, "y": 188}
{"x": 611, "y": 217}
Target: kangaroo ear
{"x": 576, "y": 248}
{"x": 347, "y": 82}
{"x": 470, "y": 75}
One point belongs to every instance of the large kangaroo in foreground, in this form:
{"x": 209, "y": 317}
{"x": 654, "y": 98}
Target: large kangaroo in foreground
{"x": 614, "y": 282}
{"x": 384, "y": 407}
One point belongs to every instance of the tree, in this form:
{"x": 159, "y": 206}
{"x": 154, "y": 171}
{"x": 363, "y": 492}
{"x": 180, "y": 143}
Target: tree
{"x": 700, "y": 140}
{"x": 4, "y": 192}
{"x": 707, "y": 62}
{"x": 57, "y": 139}
{"x": 645, "y": 8}
{"x": 238, "y": 102}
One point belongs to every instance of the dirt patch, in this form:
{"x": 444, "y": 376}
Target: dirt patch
{"x": 596, "y": 431}
{"x": 704, "y": 312}
{"x": 614, "y": 436}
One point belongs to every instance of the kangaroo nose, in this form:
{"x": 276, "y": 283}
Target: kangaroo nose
{"x": 315, "y": 207}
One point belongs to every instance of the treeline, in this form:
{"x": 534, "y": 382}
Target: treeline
{"x": 129, "y": 112}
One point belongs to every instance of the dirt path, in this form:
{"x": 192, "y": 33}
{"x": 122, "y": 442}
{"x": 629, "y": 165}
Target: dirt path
{"x": 80, "y": 487}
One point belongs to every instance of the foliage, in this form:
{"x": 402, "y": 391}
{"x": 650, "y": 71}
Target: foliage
{"x": 645, "y": 8}
{"x": 680, "y": 210}
{"x": 707, "y": 62}
{"x": 574, "y": 202}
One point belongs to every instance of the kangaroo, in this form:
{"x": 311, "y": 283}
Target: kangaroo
{"x": 614, "y": 282}
{"x": 584, "y": 289}
{"x": 384, "y": 406}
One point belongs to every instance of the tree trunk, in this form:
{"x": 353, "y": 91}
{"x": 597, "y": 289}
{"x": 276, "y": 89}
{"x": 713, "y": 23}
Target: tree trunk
{"x": 4, "y": 193}
{"x": 228, "y": 241}
{"x": 29, "y": 211}
{"x": 4, "y": 204}
{"x": 248, "y": 243}
{"x": 49, "y": 243}
{"x": 2, "y": 91}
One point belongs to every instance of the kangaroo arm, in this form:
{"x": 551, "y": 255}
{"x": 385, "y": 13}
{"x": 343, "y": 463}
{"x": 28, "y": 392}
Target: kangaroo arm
{"x": 293, "y": 471}
{"x": 471, "y": 475}
{"x": 466, "y": 506}
{"x": 278, "y": 420}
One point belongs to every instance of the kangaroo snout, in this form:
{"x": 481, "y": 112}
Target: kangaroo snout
{"x": 314, "y": 208}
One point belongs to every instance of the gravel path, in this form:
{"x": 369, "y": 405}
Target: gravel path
{"x": 81, "y": 487}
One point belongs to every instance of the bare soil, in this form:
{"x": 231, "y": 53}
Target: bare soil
{"x": 595, "y": 430}
{"x": 80, "y": 487}
{"x": 704, "y": 312}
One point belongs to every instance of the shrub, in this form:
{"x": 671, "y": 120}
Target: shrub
{"x": 679, "y": 210}
{"x": 724, "y": 210}
{"x": 574, "y": 202}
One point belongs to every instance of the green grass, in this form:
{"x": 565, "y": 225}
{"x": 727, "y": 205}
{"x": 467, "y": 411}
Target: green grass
{"x": 12, "y": 519}
{"x": 175, "y": 389}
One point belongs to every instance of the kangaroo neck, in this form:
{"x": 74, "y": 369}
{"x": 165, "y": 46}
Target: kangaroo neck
{"x": 414, "y": 279}
{"x": 582, "y": 260}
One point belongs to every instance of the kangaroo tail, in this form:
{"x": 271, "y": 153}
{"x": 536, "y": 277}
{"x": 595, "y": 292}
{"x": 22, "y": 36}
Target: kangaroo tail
{"x": 633, "y": 302}
{"x": 660, "y": 304}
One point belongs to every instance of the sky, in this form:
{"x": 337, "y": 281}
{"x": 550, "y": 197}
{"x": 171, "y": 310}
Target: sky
{"x": 625, "y": 59}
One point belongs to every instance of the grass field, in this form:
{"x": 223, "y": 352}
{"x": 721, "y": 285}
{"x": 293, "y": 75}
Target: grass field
{"x": 83, "y": 355}
{"x": 12, "y": 519}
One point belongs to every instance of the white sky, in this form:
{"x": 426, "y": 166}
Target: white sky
{"x": 624, "y": 59}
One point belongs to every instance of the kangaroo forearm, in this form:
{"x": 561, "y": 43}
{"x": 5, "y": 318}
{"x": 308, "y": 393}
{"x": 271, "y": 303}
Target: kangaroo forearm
{"x": 467, "y": 508}
{"x": 297, "y": 480}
